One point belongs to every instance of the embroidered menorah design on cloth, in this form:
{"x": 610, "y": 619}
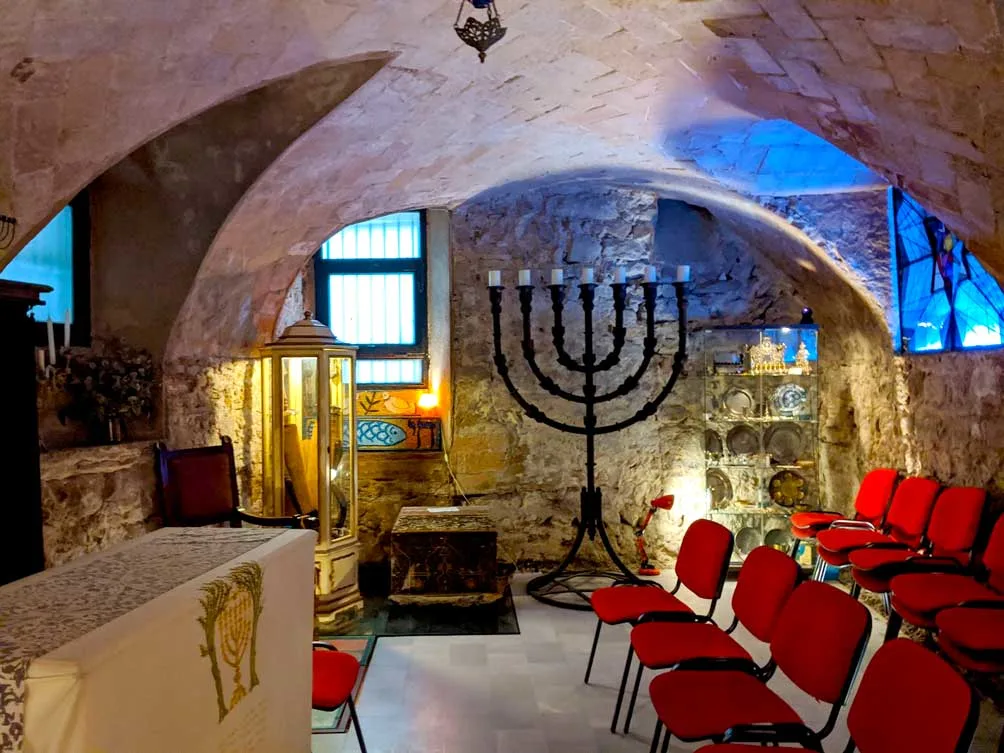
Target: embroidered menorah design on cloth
{"x": 235, "y": 624}
{"x": 231, "y": 608}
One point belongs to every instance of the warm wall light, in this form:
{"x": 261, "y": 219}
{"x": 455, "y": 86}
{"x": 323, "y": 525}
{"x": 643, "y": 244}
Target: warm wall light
{"x": 428, "y": 400}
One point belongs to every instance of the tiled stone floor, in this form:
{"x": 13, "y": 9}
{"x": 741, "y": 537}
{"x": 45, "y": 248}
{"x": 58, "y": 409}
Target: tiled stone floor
{"x": 524, "y": 693}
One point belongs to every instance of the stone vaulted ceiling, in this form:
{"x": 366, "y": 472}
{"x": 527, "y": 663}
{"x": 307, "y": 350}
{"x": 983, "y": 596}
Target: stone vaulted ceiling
{"x": 912, "y": 88}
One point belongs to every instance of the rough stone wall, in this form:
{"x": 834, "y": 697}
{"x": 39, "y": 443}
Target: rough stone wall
{"x": 531, "y": 474}
{"x": 860, "y": 425}
{"x": 389, "y": 481}
{"x": 95, "y": 497}
{"x": 953, "y": 417}
{"x": 206, "y": 398}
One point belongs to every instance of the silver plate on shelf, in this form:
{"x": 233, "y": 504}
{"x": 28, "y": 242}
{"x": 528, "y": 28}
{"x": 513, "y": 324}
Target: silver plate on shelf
{"x": 784, "y": 443}
{"x": 747, "y": 539}
{"x": 713, "y": 443}
{"x": 743, "y": 440}
{"x": 790, "y": 399}
{"x": 779, "y": 538}
{"x": 739, "y": 402}
{"x": 719, "y": 486}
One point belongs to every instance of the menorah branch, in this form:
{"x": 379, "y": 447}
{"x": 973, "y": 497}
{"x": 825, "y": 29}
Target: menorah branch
{"x": 558, "y": 330}
{"x": 619, "y": 330}
{"x": 531, "y": 410}
{"x": 530, "y": 353}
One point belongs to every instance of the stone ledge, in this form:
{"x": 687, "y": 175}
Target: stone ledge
{"x": 95, "y": 497}
{"x": 68, "y": 462}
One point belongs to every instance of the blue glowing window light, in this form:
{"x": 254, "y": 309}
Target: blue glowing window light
{"x": 947, "y": 300}
{"x": 47, "y": 259}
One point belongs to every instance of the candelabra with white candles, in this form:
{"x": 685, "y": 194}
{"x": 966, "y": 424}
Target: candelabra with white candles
{"x": 564, "y": 586}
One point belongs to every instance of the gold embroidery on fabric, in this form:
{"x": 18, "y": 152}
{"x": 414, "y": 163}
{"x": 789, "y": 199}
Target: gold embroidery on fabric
{"x": 231, "y": 609}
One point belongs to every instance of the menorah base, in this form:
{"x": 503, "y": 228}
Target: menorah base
{"x": 571, "y": 589}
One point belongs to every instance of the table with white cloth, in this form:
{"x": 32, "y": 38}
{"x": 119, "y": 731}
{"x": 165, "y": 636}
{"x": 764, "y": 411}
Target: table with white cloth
{"x": 193, "y": 640}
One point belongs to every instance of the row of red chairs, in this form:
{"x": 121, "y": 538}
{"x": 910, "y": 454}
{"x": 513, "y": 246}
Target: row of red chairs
{"x": 715, "y": 691}
{"x": 914, "y": 544}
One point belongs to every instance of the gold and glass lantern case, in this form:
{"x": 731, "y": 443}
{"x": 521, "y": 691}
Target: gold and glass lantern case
{"x": 308, "y": 378}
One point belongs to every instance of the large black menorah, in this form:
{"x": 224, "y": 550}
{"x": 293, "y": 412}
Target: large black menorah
{"x": 563, "y": 587}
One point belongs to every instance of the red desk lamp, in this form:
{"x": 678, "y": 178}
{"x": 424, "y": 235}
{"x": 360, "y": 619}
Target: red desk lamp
{"x": 659, "y": 503}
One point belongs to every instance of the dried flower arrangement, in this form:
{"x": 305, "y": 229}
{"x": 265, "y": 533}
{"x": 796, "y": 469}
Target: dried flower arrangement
{"x": 106, "y": 384}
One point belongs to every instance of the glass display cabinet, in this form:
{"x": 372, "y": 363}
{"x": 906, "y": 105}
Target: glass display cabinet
{"x": 761, "y": 410}
{"x": 308, "y": 407}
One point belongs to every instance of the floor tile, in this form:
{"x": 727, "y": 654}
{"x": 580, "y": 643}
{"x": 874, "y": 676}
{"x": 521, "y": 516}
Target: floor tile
{"x": 524, "y": 693}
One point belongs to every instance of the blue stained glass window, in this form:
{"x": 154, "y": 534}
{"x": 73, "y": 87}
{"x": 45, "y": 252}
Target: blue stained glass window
{"x": 370, "y": 289}
{"x": 947, "y": 300}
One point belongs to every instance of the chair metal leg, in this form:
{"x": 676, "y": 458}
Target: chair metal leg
{"x": 623, "y": 687}
{"x": 665, "y": 742}
{"x": 355, "y": 721}
{"x": 794, "y": 548}
{"x": 895, "y": 622}
{"x": 886, "y": 604}
{"x": 855, "y": 590}
{"x": 817, "y": 571}
{"x": 634, "y": 698}
{"x": 655, "y": 736}
{"x": 592, "y": 653}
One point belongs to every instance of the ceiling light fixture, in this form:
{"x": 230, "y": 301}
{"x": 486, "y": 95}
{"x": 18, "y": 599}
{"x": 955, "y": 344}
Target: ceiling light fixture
{"x": 480, "y": 34}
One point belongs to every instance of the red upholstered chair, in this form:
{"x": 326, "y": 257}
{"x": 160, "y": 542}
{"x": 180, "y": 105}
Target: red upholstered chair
{"x": 918, "y": 597}
{"x": 870, "y": 506}
{"x": 335, "y": 675}
{"x": 903, "y": 527}
{"x": 198, "y": 487}
{"x": 817, "y": 643}
{"x": 909, "y": 700}
{"x": 972, "y": 637}
{"x": 701, "y": 565}
{"x": 765, "y": 582}
{"x": 950, "y": 536}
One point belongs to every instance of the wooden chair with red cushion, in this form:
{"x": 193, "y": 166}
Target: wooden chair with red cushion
{"x": 766, "y": 580}
{"x": 903, "y": 527}
{"x": 198, "y": 487}
{"x": 701, "y": 565}
{"x": 918, "y": 597}
{"x": 909, "y": 700}
{"x": 870, "y": 507}
{"x": 950, "y": 536}
{"x": 817, "y": 643}
{"x": 335, "y": 676}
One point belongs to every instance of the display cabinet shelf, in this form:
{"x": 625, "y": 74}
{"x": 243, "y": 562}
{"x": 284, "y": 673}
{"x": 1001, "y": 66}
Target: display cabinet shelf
{"x": 761, "y": 416}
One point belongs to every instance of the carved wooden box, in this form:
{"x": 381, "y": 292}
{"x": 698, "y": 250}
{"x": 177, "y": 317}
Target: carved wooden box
{"x": 444, "y": 555}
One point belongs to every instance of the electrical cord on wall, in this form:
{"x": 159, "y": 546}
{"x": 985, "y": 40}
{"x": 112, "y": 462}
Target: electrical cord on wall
{"x": 460, "y": 489}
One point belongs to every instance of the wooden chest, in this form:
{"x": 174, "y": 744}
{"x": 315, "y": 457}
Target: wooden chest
{"x": 444, "y": 555}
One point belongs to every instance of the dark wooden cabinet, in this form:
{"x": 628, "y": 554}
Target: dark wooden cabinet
{"x": 21, "y": 549}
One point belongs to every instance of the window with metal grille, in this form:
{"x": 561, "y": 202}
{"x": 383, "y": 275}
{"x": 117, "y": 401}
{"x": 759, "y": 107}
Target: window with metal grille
{"x": 947, "y": 300}
{"x": 369, "y": 282}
